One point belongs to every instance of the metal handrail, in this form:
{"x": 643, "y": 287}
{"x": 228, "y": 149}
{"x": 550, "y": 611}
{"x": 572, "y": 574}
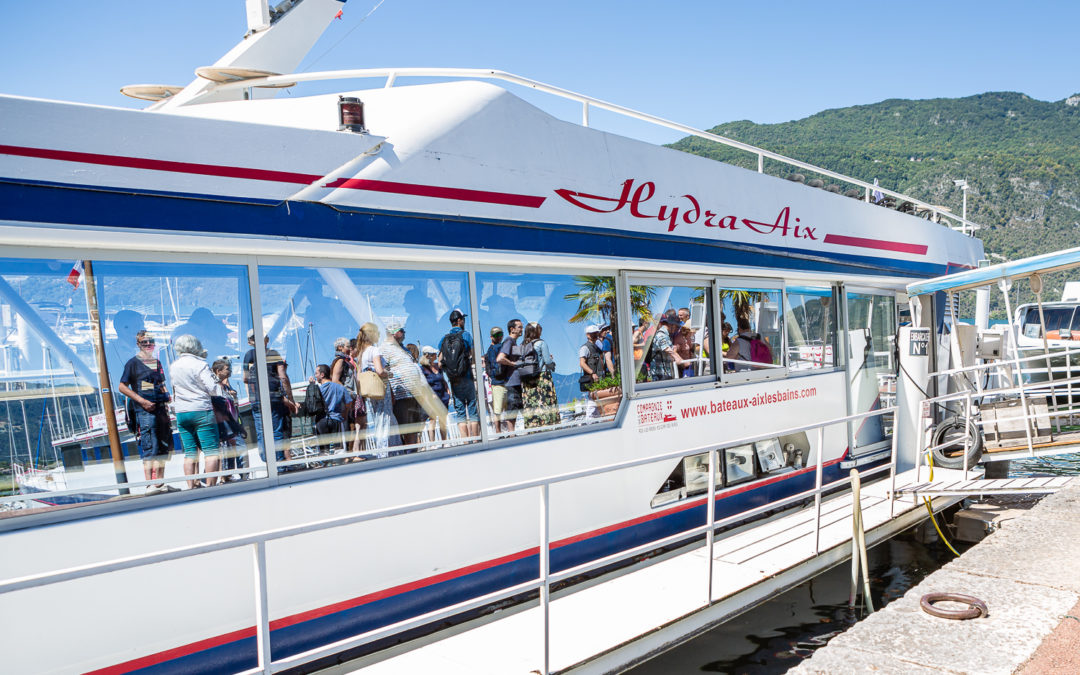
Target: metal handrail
{"x": 391, "y": 75}
{"x": 259, "y": 540}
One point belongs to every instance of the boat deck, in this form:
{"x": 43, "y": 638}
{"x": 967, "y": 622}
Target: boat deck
{"x": 616, "y": 623}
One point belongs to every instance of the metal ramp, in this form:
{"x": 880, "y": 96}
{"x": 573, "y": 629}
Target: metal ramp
{"x": 986, "y": 486}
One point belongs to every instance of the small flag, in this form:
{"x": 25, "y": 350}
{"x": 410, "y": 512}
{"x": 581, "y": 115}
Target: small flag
{"x": 339, "y": 13}
{"x": 75, "y": 275}
{"x": 877, "y": 193}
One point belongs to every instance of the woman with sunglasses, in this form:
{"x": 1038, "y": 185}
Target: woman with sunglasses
{"x": 143, "y": 381}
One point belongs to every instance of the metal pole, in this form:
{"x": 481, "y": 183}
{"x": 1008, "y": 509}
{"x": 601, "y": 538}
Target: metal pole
{"x": 262, "y": 608}
{"x": 103, "y": 378}
{"x": 1046, "y": 345}
{"x": 710, "y": 517}
{"x": 967, "y": 423}
{"x": 853, "y": 591}
{"x": 892, "y": 470}
{"x": 1004, "y": 285}
{"x": 545, "y": 571}
{"x": 817, "y": 490}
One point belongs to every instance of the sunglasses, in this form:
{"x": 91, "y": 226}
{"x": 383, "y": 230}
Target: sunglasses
{"x": 146, "y": 343}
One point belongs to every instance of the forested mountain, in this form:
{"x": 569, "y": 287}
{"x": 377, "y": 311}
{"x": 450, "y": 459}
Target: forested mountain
{"x": 1020, "y": 157}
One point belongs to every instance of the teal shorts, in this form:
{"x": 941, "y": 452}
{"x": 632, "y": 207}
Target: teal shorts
{"x": 198, "y": 431}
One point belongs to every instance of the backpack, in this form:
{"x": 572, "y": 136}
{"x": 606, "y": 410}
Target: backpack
{"x": 314, "y": 404}
{"x": 529, "y": 366}
{"x": 759, "y": 350}
{"x": 348, "y": 375}
{"x": 455, "y": 355}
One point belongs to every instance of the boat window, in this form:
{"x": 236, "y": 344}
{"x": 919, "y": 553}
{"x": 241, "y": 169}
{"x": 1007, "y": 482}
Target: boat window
{"x": 191, "y": 320}
{"x": 369, "y": 339}
{"x": 1057, "y": 318}
{"x": 53, "y": 428}
{"x": 555, "y": 317}
{"x": 810, "y": 320}
{"x": 871, "y": 324}
{"x": 671, "y": 338}
{"x": 752, "y": 343}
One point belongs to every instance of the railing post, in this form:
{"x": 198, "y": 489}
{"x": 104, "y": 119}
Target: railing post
{"x": 760, "y": 163}
{"x": 967, "y": 423}
{"x": 892, "y": 469}
{"x": 867, "y": 197}
{"x": 262, "y": 608}
{"x": 710, "y": 517}
{"x": 584, "y": 113}
{"x": 817, "y": 489}
{"x": 545, "y": 571}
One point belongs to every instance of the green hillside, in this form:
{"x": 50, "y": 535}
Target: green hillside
{"x": 1020, "y": 157}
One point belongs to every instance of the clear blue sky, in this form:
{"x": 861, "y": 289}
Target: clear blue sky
{"x": 696, "y": 62}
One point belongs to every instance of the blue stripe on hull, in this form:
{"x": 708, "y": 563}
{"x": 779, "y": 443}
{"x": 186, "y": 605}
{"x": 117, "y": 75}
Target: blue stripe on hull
{"x": 300, "y": 637}
{"x": 104, "y": 207}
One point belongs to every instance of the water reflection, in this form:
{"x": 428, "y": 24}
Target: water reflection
{"x": 1057, "y": 465}
{"x": 788, "y": 628}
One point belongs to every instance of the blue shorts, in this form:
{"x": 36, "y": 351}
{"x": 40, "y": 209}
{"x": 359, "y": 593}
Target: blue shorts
{"x": 463, "y": 397}
{"x": 155, "y": 438}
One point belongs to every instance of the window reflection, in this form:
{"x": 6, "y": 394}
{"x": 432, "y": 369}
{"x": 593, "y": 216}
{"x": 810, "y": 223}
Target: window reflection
{"x": 384, "y": 390}
{"x": 550, "y": 354}
{"x": 671, "y": 339}
{"x": 810, "y": 320}
{"x": 54, "y": 437}
{"x": 752, "y": 341}
{"x": 871, "y": 333}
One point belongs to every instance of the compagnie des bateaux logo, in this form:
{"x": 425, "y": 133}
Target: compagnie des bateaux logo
{"x": 637, "y": 199}
{"x": 655, "y": 415}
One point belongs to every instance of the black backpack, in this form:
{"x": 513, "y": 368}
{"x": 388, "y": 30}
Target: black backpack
{"x": 455, "y": 355}
{"x": 529, "y": 366}
{"x": 314, "y": 404}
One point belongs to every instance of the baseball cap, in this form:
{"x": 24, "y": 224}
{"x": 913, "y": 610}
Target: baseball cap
{"x": 394, "y": 326}
{"x": 592, "y": 328}
{"x": 457, "y": 314}
{"x": 496, "y": 331}
{"x": 428, "y": 349}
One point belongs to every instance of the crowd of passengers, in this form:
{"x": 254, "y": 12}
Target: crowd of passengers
{"x": 381, "y": 396}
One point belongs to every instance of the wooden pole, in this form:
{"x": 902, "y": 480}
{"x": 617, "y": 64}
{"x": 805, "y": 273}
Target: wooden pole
{"x": 103, "y": 378}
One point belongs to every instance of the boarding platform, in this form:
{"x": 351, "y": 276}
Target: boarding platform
{"x": 987, "y": 486}
{"x": 618, "y": 622}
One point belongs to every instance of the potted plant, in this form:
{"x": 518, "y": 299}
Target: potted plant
{"x": 607, "y": 392}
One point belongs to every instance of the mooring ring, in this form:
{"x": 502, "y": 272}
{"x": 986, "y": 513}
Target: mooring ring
{"x": 976, "y": 607}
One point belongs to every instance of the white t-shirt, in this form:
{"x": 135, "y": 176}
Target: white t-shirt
{"x": 367, "y": 359}
{"x": 192, "y": 384}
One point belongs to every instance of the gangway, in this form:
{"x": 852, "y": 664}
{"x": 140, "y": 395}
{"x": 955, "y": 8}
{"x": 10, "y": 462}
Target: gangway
{"x": 985, "y": 486}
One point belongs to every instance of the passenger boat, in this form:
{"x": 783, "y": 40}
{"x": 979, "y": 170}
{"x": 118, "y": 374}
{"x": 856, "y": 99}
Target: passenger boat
{"x": 317, "y": 214}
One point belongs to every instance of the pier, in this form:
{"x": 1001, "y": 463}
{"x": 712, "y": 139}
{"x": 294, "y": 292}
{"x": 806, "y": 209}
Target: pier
{"x": 1025, "y": 573}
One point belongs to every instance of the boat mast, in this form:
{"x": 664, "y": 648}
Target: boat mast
{"x": 98, "y": 334}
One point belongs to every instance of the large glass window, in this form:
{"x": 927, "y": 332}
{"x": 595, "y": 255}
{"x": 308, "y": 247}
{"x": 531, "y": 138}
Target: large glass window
{"x": 752, "y": 337}
{"x": 810, "y": 319}
{"x": 671, "y": 339}
{"x": 369, "y": 341}
{"x": 163, "y": 325}
{"x": 871, "y": 368}
{"x": 538, "y": 331}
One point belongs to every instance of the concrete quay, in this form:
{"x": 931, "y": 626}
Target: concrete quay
{"x": 1028, "y": 574}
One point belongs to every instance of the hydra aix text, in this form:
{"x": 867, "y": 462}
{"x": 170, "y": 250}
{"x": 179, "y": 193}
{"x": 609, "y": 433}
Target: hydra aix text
{"x": 689, "y": 212}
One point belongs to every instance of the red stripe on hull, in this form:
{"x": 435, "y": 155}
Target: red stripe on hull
{"x": 880, "y": 244}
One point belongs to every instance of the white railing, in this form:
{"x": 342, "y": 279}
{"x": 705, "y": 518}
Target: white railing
{"x": 587, "y": 103}
{"x": 542, "y": 583}
{"x": 1008, "y": 370}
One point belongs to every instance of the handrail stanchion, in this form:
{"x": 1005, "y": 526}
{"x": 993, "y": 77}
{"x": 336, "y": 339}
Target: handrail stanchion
{"x": 710, "y": 518}
{"x": 545, "y": 571}
{"x": 892, "y": 469}
{"x": 760, "y": 163}
{"x": 262, "y": 608}
{"x": 967, "y": 425}
{"x": 817, "y": 489}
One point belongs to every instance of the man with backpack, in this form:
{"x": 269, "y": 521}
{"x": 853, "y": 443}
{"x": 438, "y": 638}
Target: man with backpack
{"x": 456, "y": 359}
{"x": 334, "y": 398}
{"x": 508, "y": 357}
{"x": 591, "y": 360}
{"x": 748, "y": 346}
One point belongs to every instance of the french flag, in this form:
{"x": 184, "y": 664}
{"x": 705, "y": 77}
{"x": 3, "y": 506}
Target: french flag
{"x": 74, "y": 277}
